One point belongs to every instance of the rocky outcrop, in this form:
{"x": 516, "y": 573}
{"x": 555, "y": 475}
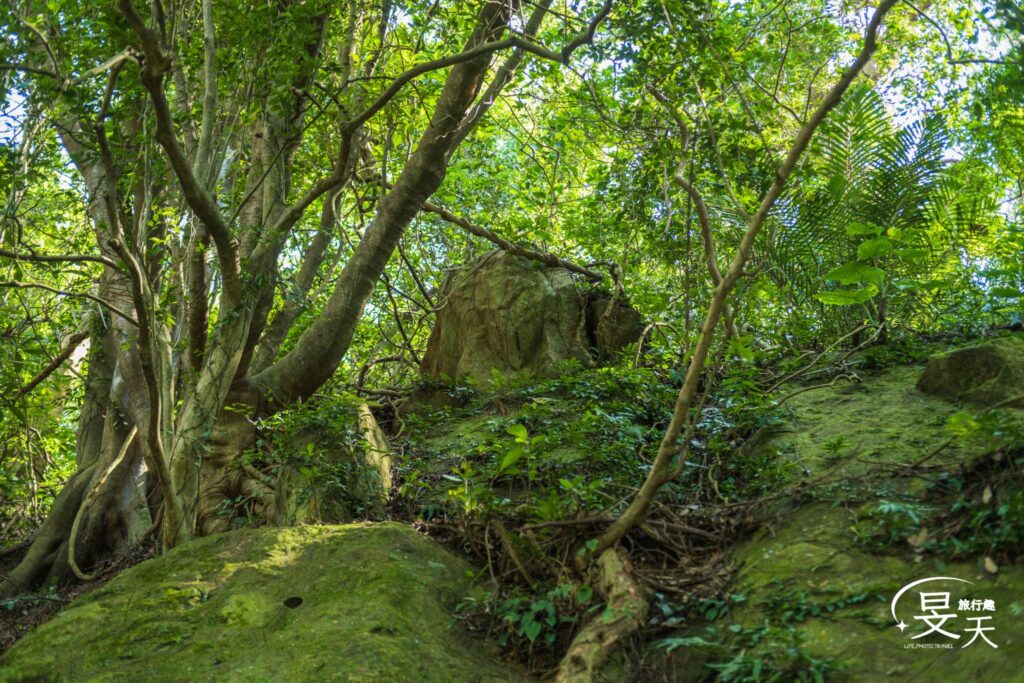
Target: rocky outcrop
{"x": 361, "y": 602}
{"x": 509, "y": 314}
{"x": 988, "y": 373}
{"x": 812, "y": 595}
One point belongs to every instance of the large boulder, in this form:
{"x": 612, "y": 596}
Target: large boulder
{"x": 988, "y": 373}
{"x": 813, "y": 589}
{"x": 510, "y": 314}
{"x": 359, "y": 602}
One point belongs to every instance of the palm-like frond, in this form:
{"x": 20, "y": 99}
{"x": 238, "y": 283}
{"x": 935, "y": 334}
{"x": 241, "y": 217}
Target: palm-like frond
{"x": 863, "y": 169}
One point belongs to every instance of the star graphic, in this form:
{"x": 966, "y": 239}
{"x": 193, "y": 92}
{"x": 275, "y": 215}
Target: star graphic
{"x": 901, "y": 626}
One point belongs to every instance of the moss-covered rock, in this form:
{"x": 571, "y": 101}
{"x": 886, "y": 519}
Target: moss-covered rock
{"x": 508, "y": 314}
{"x": 360, "y": 602}
{"x": 815, "y": 595}
{"x": 807, "y": 576}
{"x": 988, "y": 373}
{"x": 856, "y": 429}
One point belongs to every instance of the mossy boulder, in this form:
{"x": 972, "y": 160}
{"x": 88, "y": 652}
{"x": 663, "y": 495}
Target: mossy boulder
{"x": 359, "y": 602}
{"x": 988, "y": 373}
{"x": 511, "y": 315}
{"x": 807, "y": 578}
{"x": 855, "y": 429}
{"x": 812, "y": 592}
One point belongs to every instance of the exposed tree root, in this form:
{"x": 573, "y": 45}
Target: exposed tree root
{"x": 378, "y": 450}
{"x": 625, "y": 612}
{"x": 88, "y": 499}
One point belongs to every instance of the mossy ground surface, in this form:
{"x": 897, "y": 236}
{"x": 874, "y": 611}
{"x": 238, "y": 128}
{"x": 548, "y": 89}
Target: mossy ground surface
{"x": 855, "y": 429}
{"x": 809, "y": 563}
{"x": 376, "y": 606}
{"x": 809, "y": 578}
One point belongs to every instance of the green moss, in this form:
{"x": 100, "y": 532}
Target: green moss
{"x": 376, "y": 603}
{"x": 807, "y": 576}
{"x": 853, "y": 429}
{"x": 813, "y": 557}
{"x": 986, "y": 373}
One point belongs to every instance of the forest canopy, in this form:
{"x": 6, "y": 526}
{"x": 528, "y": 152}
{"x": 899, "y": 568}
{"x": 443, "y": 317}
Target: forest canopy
{"x": 221, "y": 220}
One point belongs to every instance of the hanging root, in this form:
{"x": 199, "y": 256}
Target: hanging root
{"x": 88, "y": 499}
{"x": 625, "y": 612}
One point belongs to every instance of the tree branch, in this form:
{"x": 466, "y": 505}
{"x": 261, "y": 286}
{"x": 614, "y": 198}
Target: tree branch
{"x": 659, "y": 472}
{"x": 152, "y": 70}
{"x": 70, "y": 258}
{"x": 511, "y": 247}
{"x": 73, "y": 342}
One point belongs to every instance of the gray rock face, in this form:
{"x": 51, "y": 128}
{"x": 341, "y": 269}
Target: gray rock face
{"x": 988, "y": 373}
{"x": 509, "y": 314}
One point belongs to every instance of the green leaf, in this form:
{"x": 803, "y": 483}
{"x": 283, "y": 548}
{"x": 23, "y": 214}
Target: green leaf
{"x": 1007, "y": 292}
{"x": 519, "y": 431}
{"x": 962, "y": 424}
{"x": 915, "y": 285}
{"x": 854, "y": 229}
{"x": 874, "y": 248}
{"x": 531, "y": 630}
{"x": 854, "y": 273}
{"x": 512, "y": 457}
{"x": 847, "y": 297}
{"x": 911, "y": 253}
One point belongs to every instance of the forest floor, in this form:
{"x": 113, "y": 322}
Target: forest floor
{"x": 21, "y": 614}
{"x": 775, "y": 551}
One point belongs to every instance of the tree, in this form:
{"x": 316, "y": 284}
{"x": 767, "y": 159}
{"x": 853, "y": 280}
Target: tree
{"x": 626, "y": 605}
{"x": 204, "y": 144}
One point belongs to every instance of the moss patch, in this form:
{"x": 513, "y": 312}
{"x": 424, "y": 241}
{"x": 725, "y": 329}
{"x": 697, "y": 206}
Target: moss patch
{"x": 361, "y": 602}
{"x": 987, "y": 373}
{"x": 854, "y": 429}
{"x": 811, "y": 563}
{"x": 808, "y": 587}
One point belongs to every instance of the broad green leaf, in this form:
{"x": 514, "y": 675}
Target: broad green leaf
{"x": 854, "y": 229}
{"x": 915, "y": 285}
{"x": 512, "y": 457}
{"x": 1007, "y": 292}
{"x": 531, "y": 630}
{"x": 874, "y": 248}
{"x": 519, "y": 431}
{"x": 855, "y": 273}
{"x": 847, "y": 297}
{"x": 911, "y": 253}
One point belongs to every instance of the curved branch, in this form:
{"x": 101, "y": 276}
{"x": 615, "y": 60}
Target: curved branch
{"x": 669, "y": 447}
{"x": 70, "y": 258}
{"x": 73, "y": 342}
{"x": 152, "y": 70}
{"x": 511, "y": 247}
{"x": 703, "y": 216}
